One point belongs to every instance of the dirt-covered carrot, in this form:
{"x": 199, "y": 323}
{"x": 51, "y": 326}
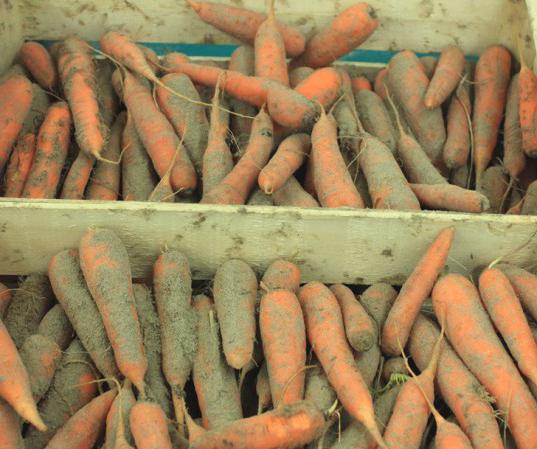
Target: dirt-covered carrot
{"x": 149, "y": 426}
{"x": 345, "y": 114}
{"x": 375, "y": 117}
{"x": 15, "y": 69}
{"x": 514, "y": 159}
{"x": 457, "y": 304}
{"x": 359, "y": 327}
{"x": 322, "y": 86}
{"x": 19, "y": 166}
{"x": 429, "y": 65}
{"x": 288, "y": 158}
{"x": 15, "y": 101}
{"x": 281, "y": 275}
{"x": 172, "y": 59}
{"x": 239, "y": 182}
{"x": 11, "y": 437}
{"x": 491, "y": 83}
{"x": 293, "y": 194}
{"x": 38, "y": 111}
{"x": 260, "y": 198}
{"x": 106, "y": 267}
{"x": 243, "y": 24}
{"x": 349, "y": 29}
{"x": 296, "y": 76}
{"x": 151, "y": 58}
{"x": 107, "y": 97}
{"x": 77, "y": 178}
{"x": 527, "y": 90}
{"x": 377, "y": 301}
{"x": 368, "y": 362}
{"x": 360, "y": 83}
{"x": 72, "y": 293}
{"x": 262, "y": 389}
{"x": 118, "y": 433}
{"x": 37, "y": 60}
{"x": 56, "y": 326}
{"x": 51, "y": 152}
{"x": 393, "y": 366}
{"x": 505, "y": 311}
{"x": 450, "y": 197}
{"x": 289, "y": 108}
{"x": 446, "y": 77}
{"x": 525, "y": 285}
{"x": 5, "y": 299}
{"x": 326, "y": 334}
{"x": 494, "y": 185}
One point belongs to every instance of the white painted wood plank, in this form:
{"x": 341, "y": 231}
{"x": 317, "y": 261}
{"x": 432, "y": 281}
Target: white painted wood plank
{"x": 11, "y": 30}
{"x": 352, "y": 246}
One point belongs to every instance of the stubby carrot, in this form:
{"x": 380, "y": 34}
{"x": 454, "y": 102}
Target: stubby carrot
{"x": 15, "y": 101}
{"x": 5, "y": 299}
{"x": 243, "y": 24}
{"x": 289, "y": 108}
{"x": 368, "y": 362}
{"x": 326, "y": 334}
{"x": 491, "y": 82}
{"x": 514, "y": 159}
{"x": 527, "y": 90}
{"x": 323, "y": 86}
{"x": 292, "y": 194}
{"x": 446, "y": 77}
{"x": 457, "y": 304}
{"x": 505, "y": 311}
{"x": 525, "y": 285}
{"x": 360, "y": 83}
{"x": 450, "y": 197}
{"x": 414, "y": 292}
{"x": 348, "y": 30}
{"x": 10, "y": 437}
{"x": 37, "y": 60}
{"x": 56, "y": 326}
{"x": 19, "y": 166}
{"x": 77, "y": 178}
{"x": 149, "y": 426}
{"x": 376, "y": 118}
{"x": 105, "y": 264}
{"x": 51, "y": 152}
{"x": 282, "y": 274}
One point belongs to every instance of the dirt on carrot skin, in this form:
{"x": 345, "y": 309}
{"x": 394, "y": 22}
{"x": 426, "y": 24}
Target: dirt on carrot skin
{"x": 378, "y": 300}
{"x": 56, "y": 326}
{"x": 38, "y": 110}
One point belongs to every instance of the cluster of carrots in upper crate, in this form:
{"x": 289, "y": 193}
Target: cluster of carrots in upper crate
{"x": 329, "y": 367}
{"x": 303, "y": 133}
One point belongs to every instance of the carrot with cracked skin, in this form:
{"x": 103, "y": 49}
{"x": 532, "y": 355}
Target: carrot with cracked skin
{"x": 149, "y": 426}
{"x": 243, "y": 24}
{"x": 492, "y": 75}
{"x": 326, "y": 334}
{"x": 349, "y": 29}
{"x": 240, "y": 181}
{"x": 457, "y": 304}
{"x": 20, "y": 164}
{"x": 446, "y": 77}
{"x": 51, "y": 151}
{"x": 450, "y": 197}
{"x": 5, "y": 299}
{"x": 527, "y": 90}
{"x": 292, "y": 194}
{"x": 11, "y": 437}
{"x": 505, "y": 311}
{"x": 360, "y": 83}
{"x": 37, "y": 60}
{"x": 525, "y": 285}
{"x": 282, "y": 275}
{"x": 105, "y": 264}
{"x": 414, "y": 292}
{"x": 514, "y": 158}
{"x": 288, "y": 158}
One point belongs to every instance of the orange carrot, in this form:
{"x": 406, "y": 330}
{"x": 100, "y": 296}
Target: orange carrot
{"x": 288, "y": 158}
{"x": 514, "y": 159}
{"x": 491, "y": 82}
{"x": 282, "y": 274}
{"x": 456, "y": 303}
{"x": 376, "y": 118}
{"x": 151, "y": 58}
{"x": 10, "y": 437}
{"x": 525, "y": 285}
{"x": 360, "y": 83}
{"x": 15, "y": 69}
{"x": 326, "y": 335}
{"x": 239, "y": 182}
{"x": 56, "y": 326}
{"x": 38, "y": 111}
{"x": 105, "y": 264}
{"x": 429, "y": 65}
{"x": 51, "y": 151}
{"x": 5, "y": 299}
{"x": 414, "y": 292}
{"x": 527, "y": 90}
{"x": 108, "y": 99}
{"x": 19, "y": 166}
{"x": 77, "y": 177}
{"x": 296, "y": 76}
{"x": 450, "y": 197}
{"x": 118, "y": 434}
{"x": 243, "y": 24}
{"x": 15, "y": 101}
{"x": 37, "y": 60}
{"x": 322, "y": 86}
{"x": 378, "y": 85}
{"x": 446, "y": 77}
{"x": 15, "y": 385}
{"x": 149, "y": 426}
{"x": 377, "y": 301}
{"x": 293, "y": 195}
{"x": 289, "y": 108}
{"x": 348, "y": 30}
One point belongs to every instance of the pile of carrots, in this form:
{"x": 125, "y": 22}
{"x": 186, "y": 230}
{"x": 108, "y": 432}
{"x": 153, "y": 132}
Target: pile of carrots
{"x": 426, "y": 133}
{"x": 89, "y": 359}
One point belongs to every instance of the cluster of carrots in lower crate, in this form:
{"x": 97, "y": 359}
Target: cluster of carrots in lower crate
{"x": 330, "y": 367}
{"x": 304, "y": 133}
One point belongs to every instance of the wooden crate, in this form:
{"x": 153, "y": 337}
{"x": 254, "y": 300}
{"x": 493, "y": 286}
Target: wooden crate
{"x": 352, "y": 246}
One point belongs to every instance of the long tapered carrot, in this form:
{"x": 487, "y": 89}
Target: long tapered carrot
{"x": 450, "y": 197}
{"x": 51, "y": 152}
{"x": 77, "y": 178}
{"x": 37, "y": 60}
{"x": 415, "y": 290}
{"x": 19, "y": 166}
{"x": 10, "y": 437}
{"x": 491, "y": 82}
{"x": 514, "y": 159}
{"x": 446, "y": 77}
{"x": 293, "y": 194}
{"x": 457, "y": 304}
{"x": 106, "y": 267}
{"x": 326, "y": 334}
{"x": 506, "y": 313}
{"x": 149, "y": 426}
{"x": 525, "y": 285}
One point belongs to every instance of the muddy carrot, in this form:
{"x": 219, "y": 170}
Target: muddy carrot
{"x": 149, "y": 426}
{"x": 108, "y": 99}
{"x": 494, "y": 185}
{"x": 323, "y": 86}
{"x": 450, "y": 197}
{"x": 377, "y": 301}
{"x": 525, "y": 284}
{"x": 368, "y": 362}
{"x": 375, "y": 117}
{"x": 296, "y": 76}
{"x": 360, "y": 83}
{"x": 38, "y": 111}
{"x": 429, "y": 65}
{"x": 19, "y": 166}
{"x": 282, "y": 275}
{"x": 77, "y": 178}
{"x": 262, "y": 389}
{"x": 5, "y": 299}
{"x": 446, "y": 77}
{"x": 10, "y": 438}
{"x": 289, "y": 108}
{"x": 527, "y": 89}
{"x": 393, "y": 366}
{"x": 118, "y": 433}
{"x": 292, "y": 194}
{"x": 37, "y": 60}
{"x": 56, "y": 326}
{"x": 260, "y": 198}
{"x": 514, "y": 159}
{"x": 459, "y": 176}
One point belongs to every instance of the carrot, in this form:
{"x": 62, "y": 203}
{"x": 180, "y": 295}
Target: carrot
{"x": 37, "y": 60}
{"x": 527, "y": 89}
{"x": 172, "y": 59}
{"x": 293, "y": 195}
{"x": 505, "y": 311}
{"x": 450, "y": 197}
{"x": 375, "y": 118}
{"x": 326, "y": 334}
{"x": 19, "y": 166}
{"x": 456, "y": 303}
{"x": 77, "y": 177}
{"x": 345, "y": 114}
{"x": 408, "y": 83}
{"x": 5, "y": 299}
{"x": 524, "y": 284}
{"x": 216, "y": 386}
{"x": 15, "y": 69}
{"x": 514, "y": 159}
{"x": 15, "y": 101}
{"x": 393, "y": 366}
{"x": 77, "y": 74}
{"x": 10, "y": 438}
{"x": 494, "y": 185}
{"x": 429, "y": 64}
{"x": 152, "y": 59}
{"x": 38, "y": 111}
{"x": 282, "y": 275}
{"x": 158, "y": 135}
{"x": 288, "y": 158}
{"x": 377, "y": 301}
{"x": 243, "y": 24}
{"x": 262, "y": 388}
{"x": 296, "y": 76}
{"x": 105, "y": 182}
{"x": 350, "y": 28}
{"x": 318, "y": 389}
{"x": 288, "y": 426}
{"x": 72, "y": 293}
{"x": 260, "y": 198}
{"x": 368, "y": 362}
{"x": 15, "y": 385}
{"x": 322, "y": 86}
{"x": 188, "y": 119}
{"x": 149, "y": 426}
{"x": 459, "y": 176}
{"x": 414, "y": 292}
{"x": 56, "y": 326}
{"x": 361, "y": 83}
{"x": 107, "y": 97}
{"x": 446, "y": 77}
{"x": 51, "y": 152}
{"x": 239, "y": 182}
{"x": 290, "y": 108}
{"x": 492, "y": 79}
{"x": 333, "y": 183}
{"x": 359, "y": 327}
{"x": 105, "y": 264}
{"x": 118, "y": 433}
